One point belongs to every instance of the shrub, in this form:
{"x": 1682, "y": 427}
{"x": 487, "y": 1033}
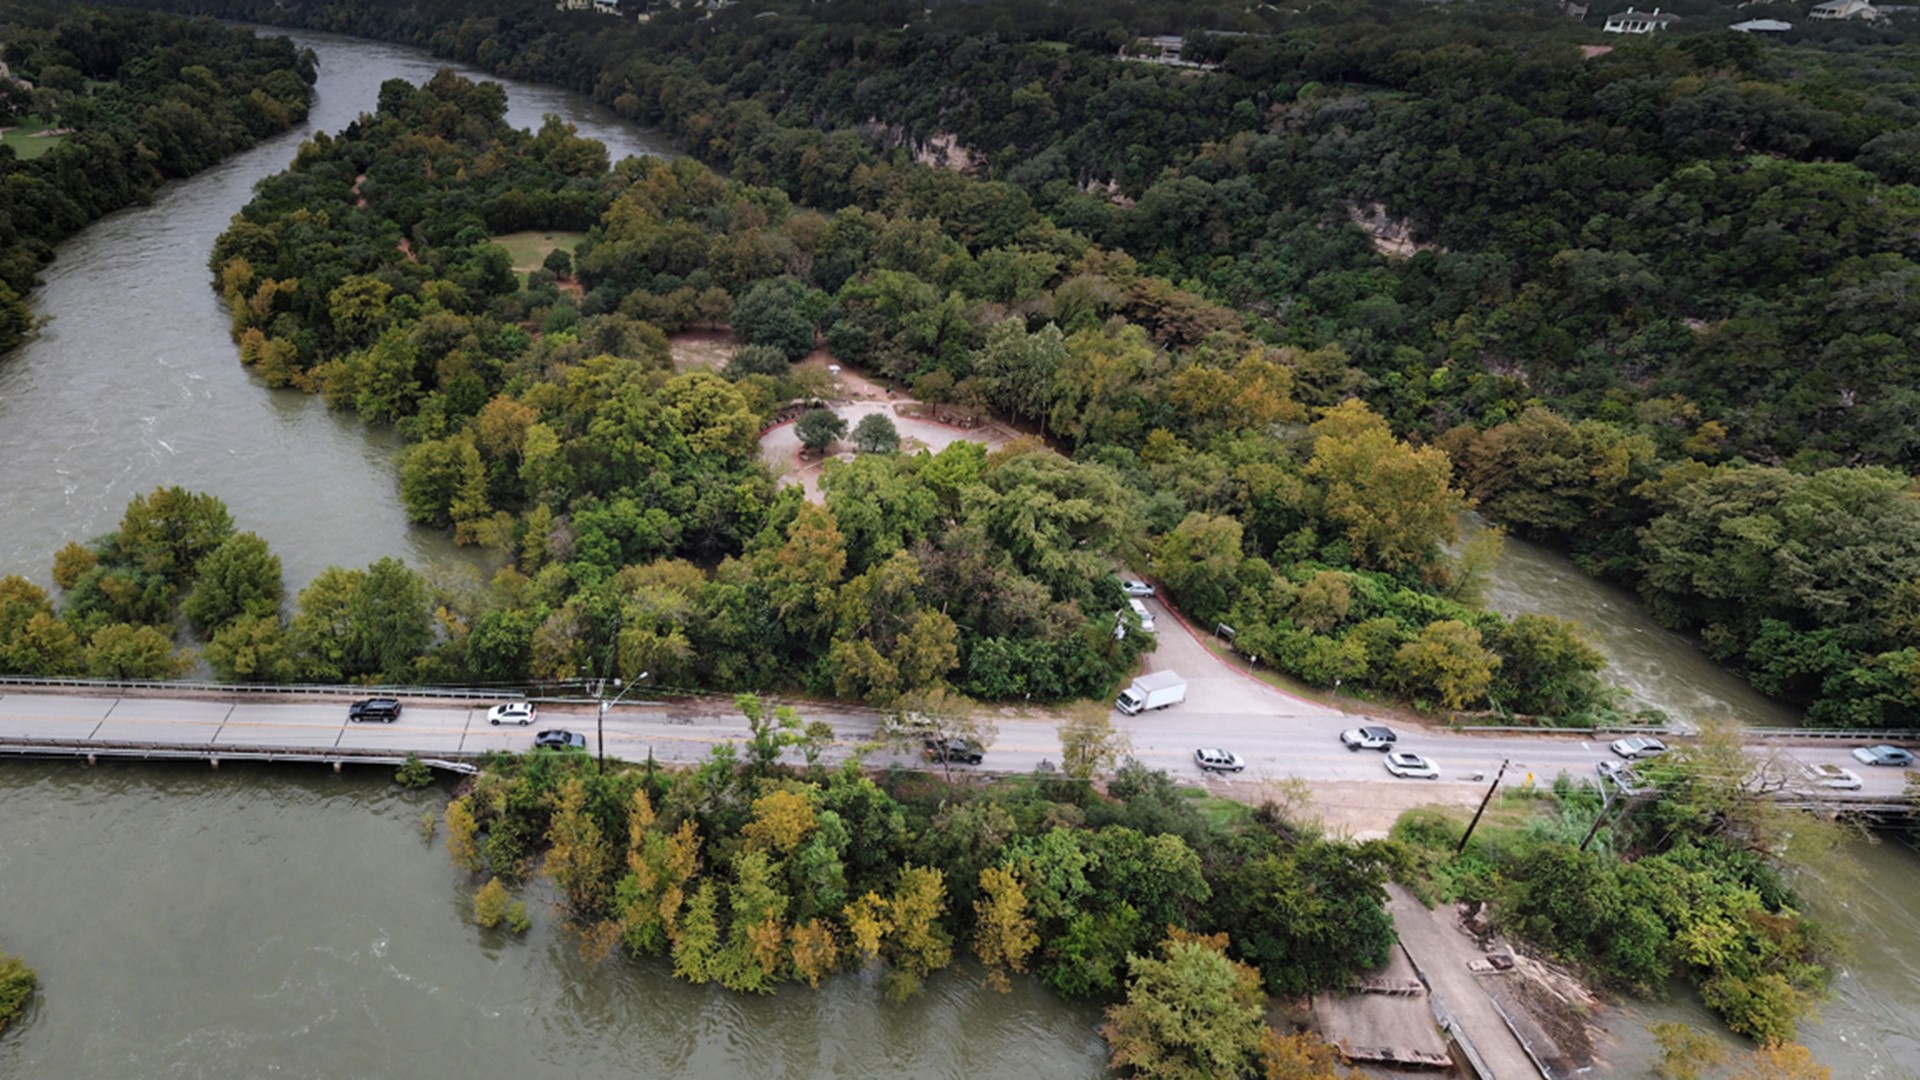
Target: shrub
{"x": 755, "y": 360}
{"x": 414, "y": 773}
{"x": 17, "y": 981}
{"x": 491, "y": 904}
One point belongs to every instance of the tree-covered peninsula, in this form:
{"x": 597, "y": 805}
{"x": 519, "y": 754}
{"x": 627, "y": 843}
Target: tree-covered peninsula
{"x": 98, "y": 109}
{"x": 548, "y": 422}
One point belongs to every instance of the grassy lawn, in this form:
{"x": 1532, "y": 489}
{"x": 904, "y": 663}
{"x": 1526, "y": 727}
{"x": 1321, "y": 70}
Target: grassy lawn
{"x": 1219, "y": 812}
{"x": 28, "y": 145}
{"x": 529, "y": 249}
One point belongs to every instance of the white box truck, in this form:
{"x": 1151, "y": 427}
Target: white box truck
{"x": 1154, "y": 690}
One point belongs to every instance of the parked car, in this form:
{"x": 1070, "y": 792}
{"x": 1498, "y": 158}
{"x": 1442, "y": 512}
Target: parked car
{"x": 1882, "y": 755}
{"x": 1141, "y": 613}
{"x": 954, "y": 750}
{"x": 513, "y": 712}
{"x": 1136, "y": 588}
{"x": 1639, "y": 746}
{"x": 560, "y": 739}
{"x": 383, "y": 710}
{"x": 1401, "y": 763}
{"x": 1834, "y": 777}
{"x": 1621, "y": 774}
{"x": 1373, "y": 737}
{"x": 1218, "y": 761}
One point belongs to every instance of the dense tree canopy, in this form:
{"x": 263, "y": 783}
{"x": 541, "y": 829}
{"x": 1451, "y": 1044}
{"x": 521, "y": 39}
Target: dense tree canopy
{"x": 142, "y": 99}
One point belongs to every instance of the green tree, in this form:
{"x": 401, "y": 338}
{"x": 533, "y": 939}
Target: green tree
{"x": 239, "y": 578}
{"x": 875, "y": 434}
{"x": 124, "y": 651}
{"x": 1190, "y": 1013}
{"x": 1019, "y": 367}
{"x": 769, "y": 731}
{"x": 1395, "y": 504}
{"x": 1200, "y": 561}
{"x": 774, "y": 313}
{"x": 756, "y": 360}
{"x": 391, "y": 623}
{"x": 818, "y": 428}
{"x": 1091, "y": 745}
{"x": 1447, "y": 660}
{"x": 754, "y": 957}
{"x": 252, "y": 648}
{"x": 321, "y": 630}
{"x": 170, "y": 531}
{"x": 33, "y": 641}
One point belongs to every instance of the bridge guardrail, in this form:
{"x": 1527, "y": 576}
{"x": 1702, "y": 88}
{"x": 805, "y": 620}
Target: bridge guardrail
{"x": 1816, "y": 734}
{"x": 323, "y": 689}
{"x": 150, "y": 751}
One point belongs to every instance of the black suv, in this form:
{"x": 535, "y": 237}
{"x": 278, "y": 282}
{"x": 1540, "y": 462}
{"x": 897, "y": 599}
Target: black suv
{"x": 382, "y": 709}
{"x": 954, "y": 750}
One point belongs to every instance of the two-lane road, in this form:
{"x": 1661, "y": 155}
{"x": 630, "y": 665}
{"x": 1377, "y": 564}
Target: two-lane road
{"x": 1277, "y": 734}
{"x": 1289, "y": 739}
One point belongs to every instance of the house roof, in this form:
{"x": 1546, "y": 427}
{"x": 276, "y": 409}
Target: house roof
{"x": 1762, "y": 26}
{"x": 1630, "y": 15}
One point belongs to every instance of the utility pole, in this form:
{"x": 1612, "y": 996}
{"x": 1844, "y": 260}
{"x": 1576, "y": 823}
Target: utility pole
{"x": 1605, "y": 805}
{"x": 1484, "y": 800}
{"x": 600, "y": 723}
{"x": 1607, "y": 802}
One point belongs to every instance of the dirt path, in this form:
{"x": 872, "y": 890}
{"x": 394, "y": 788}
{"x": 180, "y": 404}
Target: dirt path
{"x": 780, "y": 447}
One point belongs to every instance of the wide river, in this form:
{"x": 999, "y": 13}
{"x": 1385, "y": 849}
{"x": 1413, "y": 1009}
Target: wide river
{"x": 233, "y": 924}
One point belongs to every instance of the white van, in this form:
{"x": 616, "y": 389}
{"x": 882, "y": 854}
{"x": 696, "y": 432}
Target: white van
{"x": 1140, "y": 609}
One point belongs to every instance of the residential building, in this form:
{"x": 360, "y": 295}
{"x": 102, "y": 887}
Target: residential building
{"x": 1834, "y": 10}
{"x": 1637, "y": 22}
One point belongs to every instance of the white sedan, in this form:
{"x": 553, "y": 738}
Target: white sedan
{"x": 1401, "y": 763}
{"x": 513, "y": 712}
{"x": 1833, "y": 776}
{"x": 1136, "y": 588}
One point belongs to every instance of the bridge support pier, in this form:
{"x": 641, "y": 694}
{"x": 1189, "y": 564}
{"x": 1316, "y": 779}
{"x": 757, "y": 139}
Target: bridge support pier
{"x": 93, "y": 759}
{"x": 215, "y": 762}
{"x": 336, "y": 768}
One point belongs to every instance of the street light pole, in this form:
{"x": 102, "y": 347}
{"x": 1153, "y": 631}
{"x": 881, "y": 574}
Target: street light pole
{"x": 600, "y": 723}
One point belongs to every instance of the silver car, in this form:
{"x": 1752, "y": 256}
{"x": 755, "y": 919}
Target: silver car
{"x": 1218, "y": 760}
{"x": 1639, "y": 746}
{"x": 1372, "y": 737}
{"x": 1891, "y": 756}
